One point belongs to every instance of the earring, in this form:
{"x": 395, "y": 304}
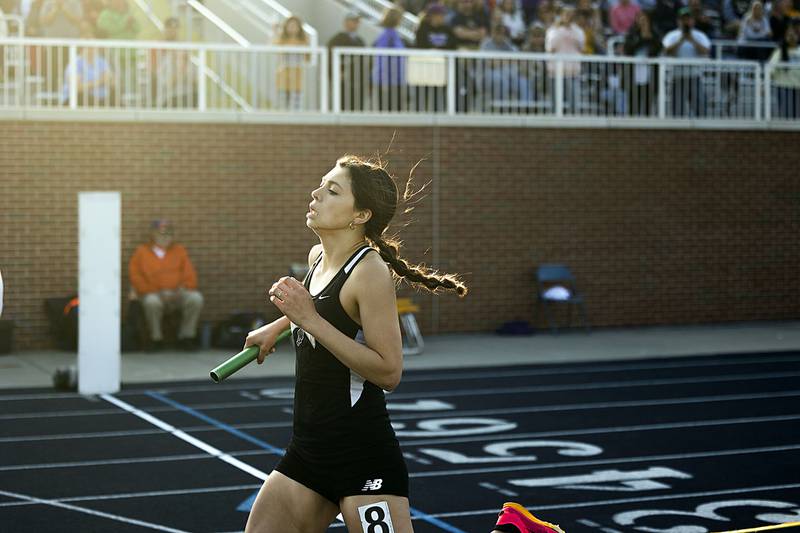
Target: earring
{"x": 352, "y": 227}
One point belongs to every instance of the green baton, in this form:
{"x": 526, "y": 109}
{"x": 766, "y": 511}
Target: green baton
{"x": 241, "y": 359}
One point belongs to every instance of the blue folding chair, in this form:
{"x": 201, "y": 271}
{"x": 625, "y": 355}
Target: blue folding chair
{"x": 550, "y": 276}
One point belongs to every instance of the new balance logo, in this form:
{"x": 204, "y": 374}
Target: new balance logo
{"x": 372, "y": 484}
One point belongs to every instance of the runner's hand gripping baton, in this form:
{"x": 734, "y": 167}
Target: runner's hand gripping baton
{"x": 241, "y": 359}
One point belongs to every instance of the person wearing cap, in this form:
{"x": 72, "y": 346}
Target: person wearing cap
{"x": 433, "y": 31}
{"x": 686, "y": 42}
{"x": 165, "y": 280}
{"x": 351, "y": 95}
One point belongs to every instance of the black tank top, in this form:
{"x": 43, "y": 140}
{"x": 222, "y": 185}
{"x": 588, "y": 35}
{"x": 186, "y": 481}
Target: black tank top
{"x": 336, "y": 411}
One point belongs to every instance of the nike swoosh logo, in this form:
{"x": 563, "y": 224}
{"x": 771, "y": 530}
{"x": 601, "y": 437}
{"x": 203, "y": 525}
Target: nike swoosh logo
{"x": 323, "y": 297}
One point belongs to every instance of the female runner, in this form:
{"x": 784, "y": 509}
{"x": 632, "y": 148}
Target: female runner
{"x": 343, "y": 455}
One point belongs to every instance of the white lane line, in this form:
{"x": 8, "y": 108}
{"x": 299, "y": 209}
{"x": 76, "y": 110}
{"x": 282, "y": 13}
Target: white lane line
{"x": 426, "y": 442}
{"x": 604, "y": 405}
{"x": 149, "y": 494}
{"x": 443, "y": 375}
{"x": 605, "y": 430}
{"x": 602, "y": 503}
{"x": 407, "y": 444}
{"x": 456, "y": 392}
{"x": 191, "y": 440}
{"x": 604, "y": 385}
{"x": 89, "y": 435}
{"x": 128, "y": 460}
{"x": 621, "y": 460}
{"x": 92, "y": 512}
{"x": 107, "y": 462}
{"x": 434, "y": 374}
{"x": 214, "y": 452}
{"x": 546, "y": 408}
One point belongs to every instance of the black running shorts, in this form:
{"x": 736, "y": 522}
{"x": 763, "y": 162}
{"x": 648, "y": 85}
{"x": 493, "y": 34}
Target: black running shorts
{"x": 373, "y": 471}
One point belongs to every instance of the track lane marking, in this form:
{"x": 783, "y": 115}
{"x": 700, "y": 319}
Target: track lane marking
{"x": 92, "y": 512}
{"x": 130, "y": 495}
{"x": 603, "y": 503}
{"x": 597, "y": 462}
{"x": 441, "y": 394}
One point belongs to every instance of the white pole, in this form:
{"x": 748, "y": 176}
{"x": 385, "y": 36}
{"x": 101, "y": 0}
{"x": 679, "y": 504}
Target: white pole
{"x": 99, "y": 292}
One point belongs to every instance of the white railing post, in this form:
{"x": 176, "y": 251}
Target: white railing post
{"x": 201, "y": 80}
{"x": 73, "y": 76}
{"x": 757, "y": 88}
{"x": 662, "y": 89}
{"x": 767, "y": 93}
{"x": 323, "y": 77}
{"x": 452, "y": 89}
{"x": 559, "y": 87}
{"x": 338, "y": 80}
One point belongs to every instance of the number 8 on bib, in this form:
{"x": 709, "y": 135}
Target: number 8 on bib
{"x": 375, "y": 518}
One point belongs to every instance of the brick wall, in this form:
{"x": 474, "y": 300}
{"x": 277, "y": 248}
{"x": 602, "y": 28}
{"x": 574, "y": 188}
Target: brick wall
{"x": 659, "y": 226}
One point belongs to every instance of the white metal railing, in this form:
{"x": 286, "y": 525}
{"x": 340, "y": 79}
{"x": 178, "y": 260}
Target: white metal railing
{"x": 105, "y": 74}
{"x": 721, "y": 48}
{"x": 100, "y": 74}
{"x": 17, "y": 23}
{"x": 782, "y": 91}
{"x": 422, "y": 81}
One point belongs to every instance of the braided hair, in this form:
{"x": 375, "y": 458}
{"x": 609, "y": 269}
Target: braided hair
{"x": 375, "y": 189}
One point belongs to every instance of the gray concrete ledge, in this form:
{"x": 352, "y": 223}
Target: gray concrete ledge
{"x": 36, "y": 368}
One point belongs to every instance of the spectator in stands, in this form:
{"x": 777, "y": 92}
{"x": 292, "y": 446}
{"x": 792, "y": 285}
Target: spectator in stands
{"x": 622, "y": 15}
{"x": 165, "y": 280}
{"x": 469, "y": 25}
{"x": 780, "y": 18}
{"x": 534, "y": 42}
{"x": 353, "y": 69}
{"x": 348, "y": 37}
{"x": 529, "y": 10}
{"x": 640, "y": 82}
{"x": 292, "y": 65}
{"x": 413, "y": 6}
{"x": 501, "y": 81}
{"x": 547, "y": 12}
{"x": 591, "y": 12}
{"x": 786, "y": 80}
{"x": 593, "y": 42}
{"x": 566, "y": 37}
{"x": 58, "y": 19}
{"x": 433, "y": 31}
{"x": 175, "y": 75}
{"x": 754, "y": 28}
{"x": 118, "y": 22}
{"x": 664, "y": 15}
{"x": 388, "y": 72}
{"x": 513, "y": 19}
{"x": 686, "y": 42}
{"x": 706, "y": 20}
{"x": 93, "y": 74}
{"x": 92, "y": 10}
{"x": 32, "y": 15}
{"x": 61, "y": 19}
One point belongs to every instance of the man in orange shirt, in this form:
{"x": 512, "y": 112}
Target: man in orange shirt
{"x": 164, "y": 279}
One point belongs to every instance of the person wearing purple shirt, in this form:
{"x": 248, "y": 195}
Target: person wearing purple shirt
{"x": 389, "y": 72}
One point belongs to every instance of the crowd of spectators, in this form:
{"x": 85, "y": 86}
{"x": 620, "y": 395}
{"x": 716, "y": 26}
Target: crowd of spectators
{"x": 72, "y": 19}
{"x": 471, "y": 21}
{"x": 682, "y": 29}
